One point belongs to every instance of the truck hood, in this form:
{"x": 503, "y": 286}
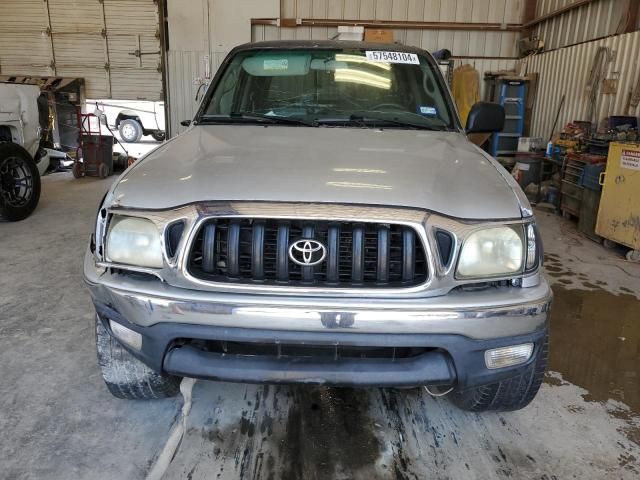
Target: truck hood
{"x": 437, "y": 171}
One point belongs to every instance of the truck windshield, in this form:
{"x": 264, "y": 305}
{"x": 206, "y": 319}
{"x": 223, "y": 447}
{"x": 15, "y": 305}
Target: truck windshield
{"x": 334, "y": 88}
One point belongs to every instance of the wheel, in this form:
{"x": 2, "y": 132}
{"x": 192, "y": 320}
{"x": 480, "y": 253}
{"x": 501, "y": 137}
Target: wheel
{"x": 633, "y": 255}
{"x": 103, "y": 171}
{"x": 130, "y": 130}
{"x": 126, "y": 376}
{"x": 78, "y": 171}
{"x": 507, "y": 395}
{"x": 19, "y": 182}
{"x": 159, "y": 136}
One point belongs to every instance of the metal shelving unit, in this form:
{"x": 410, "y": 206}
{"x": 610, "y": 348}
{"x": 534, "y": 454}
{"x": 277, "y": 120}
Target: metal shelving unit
{"x": 511, "y": 94}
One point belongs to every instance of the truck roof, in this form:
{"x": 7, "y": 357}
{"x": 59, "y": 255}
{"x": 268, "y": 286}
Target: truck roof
{"x": 329, "y": 45}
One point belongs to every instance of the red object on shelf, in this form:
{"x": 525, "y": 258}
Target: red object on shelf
{"x": 587, "y": 158}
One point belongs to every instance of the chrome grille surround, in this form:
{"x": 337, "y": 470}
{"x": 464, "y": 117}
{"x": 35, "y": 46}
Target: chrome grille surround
{"x": 440, "y": 279}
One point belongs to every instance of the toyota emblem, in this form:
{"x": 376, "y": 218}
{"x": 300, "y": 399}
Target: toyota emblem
{"x": 307, "y": 252}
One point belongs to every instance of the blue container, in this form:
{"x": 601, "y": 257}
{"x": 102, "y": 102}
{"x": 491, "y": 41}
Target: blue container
{"x": 591, "y": 176}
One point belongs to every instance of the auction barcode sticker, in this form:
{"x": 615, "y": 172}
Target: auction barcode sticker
{"x": 392, "y": 57}
{"x": 630, "y": 159}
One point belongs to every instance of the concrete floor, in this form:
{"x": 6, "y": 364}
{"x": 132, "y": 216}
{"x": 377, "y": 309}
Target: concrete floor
{"x": 136, "y": 150}
{"x": 59, "y": 421}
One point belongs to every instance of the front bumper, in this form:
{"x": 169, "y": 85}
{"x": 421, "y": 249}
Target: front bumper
{"x": 457, "y": 329}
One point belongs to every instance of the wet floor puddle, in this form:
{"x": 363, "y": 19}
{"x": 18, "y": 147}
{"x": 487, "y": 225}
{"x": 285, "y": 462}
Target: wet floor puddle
{"x": 308, "y": 432}
{"x": 317, "y": 433}
{"x": 328, "y": 427}
{"x": 595, "y": 343}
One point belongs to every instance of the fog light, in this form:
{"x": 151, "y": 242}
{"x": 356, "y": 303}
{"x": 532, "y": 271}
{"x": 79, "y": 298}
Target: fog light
{"x": 126, "y": 335}
{"x": 508, "y": 356}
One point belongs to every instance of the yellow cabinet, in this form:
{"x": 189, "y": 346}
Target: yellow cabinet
{"x": 619, "y": 212}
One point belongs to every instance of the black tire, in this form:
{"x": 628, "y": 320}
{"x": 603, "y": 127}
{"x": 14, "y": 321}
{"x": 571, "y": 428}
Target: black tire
{"x": 19, "y": 182}
{"x": 78, "y": 170}
{"x": 511, "y": 394}
{"x": 127, "y": 377}
{"x": 159, "y": 136}
{"x": 130, "y": 131}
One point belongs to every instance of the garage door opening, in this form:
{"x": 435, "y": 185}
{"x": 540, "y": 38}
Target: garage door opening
{"x": 139, "y": 126}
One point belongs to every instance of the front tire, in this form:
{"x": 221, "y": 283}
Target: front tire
{"x": 130, "y": 130}
{"x": 78, "y": 170}
{"x": 511, "y": 394}
{"x": 19, "y": 182}
{"x": 127, "y": 377}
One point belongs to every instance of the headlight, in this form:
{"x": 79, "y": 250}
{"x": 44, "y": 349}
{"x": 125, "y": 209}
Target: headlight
{"x": 492, "y": 252}
{"x": 134, "y": 241}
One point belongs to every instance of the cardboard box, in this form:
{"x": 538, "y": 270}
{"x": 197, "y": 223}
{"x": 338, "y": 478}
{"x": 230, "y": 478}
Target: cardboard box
{"x": 346, "y": 32}
{"x": 378, "y": 36}
{"x": 529, "y": 144}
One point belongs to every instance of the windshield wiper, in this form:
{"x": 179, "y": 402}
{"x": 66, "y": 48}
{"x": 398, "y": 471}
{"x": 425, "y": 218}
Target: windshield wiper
{"x": 256, "y": 117}
{"x": 366, "y": 119}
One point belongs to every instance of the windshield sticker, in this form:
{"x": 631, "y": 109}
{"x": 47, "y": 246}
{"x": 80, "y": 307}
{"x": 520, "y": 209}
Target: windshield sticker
{"x": 392, "y": 57}
{"x": 281, "y": 64}
{"x": 426, "y": 110}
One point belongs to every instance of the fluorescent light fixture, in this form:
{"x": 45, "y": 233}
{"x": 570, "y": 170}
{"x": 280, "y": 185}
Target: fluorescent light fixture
{"x": 347, "y": 58}
{"x": 359, "y": 185}
{"x": 362, "y": 78}
{"x": 359, "y": 170}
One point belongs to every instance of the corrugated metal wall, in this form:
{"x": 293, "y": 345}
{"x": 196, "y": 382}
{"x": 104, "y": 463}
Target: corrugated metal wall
{"x": 201, "y": 33}
{"x": 185, "y": 65}
{"x": 565, "y": 72}
{"x": 461, "y": 43}
{"x": 185, "y": 68}
{"x": 472, "y": 44}
{"x": 22, "y": 23}
{"x": 594, "y": 20}
{"x": 427, "y": 40}
{"x": 91, "y": 39}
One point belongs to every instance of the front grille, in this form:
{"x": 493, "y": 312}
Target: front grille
{"x": 256, "y": 251}
{"x": 300, "y": 351}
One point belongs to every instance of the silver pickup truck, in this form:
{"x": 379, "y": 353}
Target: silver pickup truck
{"x": 323, "y": 220}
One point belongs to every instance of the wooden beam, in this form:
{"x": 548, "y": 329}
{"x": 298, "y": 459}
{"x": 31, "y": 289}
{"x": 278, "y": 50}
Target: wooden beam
{"x": 559, "y": 11}
{"x": 632, "y": 16}
{"x": 379, "y": 24}
{"x": 529, "y": 14}
{"x": 480, "y": 57}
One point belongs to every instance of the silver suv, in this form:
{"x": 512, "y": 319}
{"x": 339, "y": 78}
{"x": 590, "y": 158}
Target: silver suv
{"x": 323, "y": 220}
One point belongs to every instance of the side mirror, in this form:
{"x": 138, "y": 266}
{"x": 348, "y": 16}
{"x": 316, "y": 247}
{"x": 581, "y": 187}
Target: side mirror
{"x": 185, "y": 123}
{"x": 485, "y": 117}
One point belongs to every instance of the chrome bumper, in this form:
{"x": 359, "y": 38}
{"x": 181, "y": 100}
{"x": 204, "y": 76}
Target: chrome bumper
{"x": 487, "y": 314}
